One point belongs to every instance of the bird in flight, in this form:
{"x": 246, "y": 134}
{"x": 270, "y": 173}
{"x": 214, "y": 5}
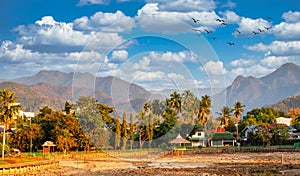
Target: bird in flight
{"x": 223, "y": 23}
{"x": 267, "y": 28}
{"x": 207, "y": 32}
{"x": 255, "y": 33}
{"x": 269, "y": 18}
{"x": 260, "y": 30}
{"x": 220, "y": 20}
{"x": 238, "y": 31}
{"x": 197, "y": 30}
{"x": 195, "y": 21}
{"x": 230, "y": 43}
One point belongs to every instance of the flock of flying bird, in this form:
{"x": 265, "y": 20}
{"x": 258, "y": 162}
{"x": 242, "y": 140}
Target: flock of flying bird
{"x": 223, "y": 23}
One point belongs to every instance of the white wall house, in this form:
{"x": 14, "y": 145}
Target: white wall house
{"x": 198, "y": 139}
{"x": 284, "y": 120}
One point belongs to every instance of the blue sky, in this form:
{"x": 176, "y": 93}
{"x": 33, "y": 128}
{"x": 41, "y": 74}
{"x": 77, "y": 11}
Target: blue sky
{"x": 153, "y": 43}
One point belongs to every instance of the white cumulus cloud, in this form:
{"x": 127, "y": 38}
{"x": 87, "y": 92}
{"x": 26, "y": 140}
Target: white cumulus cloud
{"x": 48, "y": 35}
{"x": 242, "y": 62}
{"x": 152, "y": 18}
{"x": 119, "y": 56}
{"x": 108, "y": 22}
{"x": 248, "y": 25}
{"x": 20, "y": 61}
{"x": 286, "y": 31}
{"x": 185, "y": 5}
{"x": 278, "y": 48}
{"x": 214, "y": 68}
{"x": 291, "y": 16}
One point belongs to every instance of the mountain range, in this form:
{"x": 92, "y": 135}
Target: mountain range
{"x": 265, "y": 91}
{"x": 53, "y": 88}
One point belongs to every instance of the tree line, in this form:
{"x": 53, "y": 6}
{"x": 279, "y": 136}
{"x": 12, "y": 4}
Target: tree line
{"x": 88, "y": 124}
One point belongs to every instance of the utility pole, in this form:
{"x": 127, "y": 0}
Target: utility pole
{"x": 30, "y": 137}
{"x": 29, "y": 116}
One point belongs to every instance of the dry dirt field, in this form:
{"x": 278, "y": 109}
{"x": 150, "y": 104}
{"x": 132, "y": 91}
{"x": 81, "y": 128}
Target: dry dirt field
{"x": 285, "y": 163}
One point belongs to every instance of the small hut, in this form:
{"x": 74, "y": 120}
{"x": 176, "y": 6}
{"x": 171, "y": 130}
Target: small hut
{"x": 180, "y": 142}
{"x": 48, "y": 147}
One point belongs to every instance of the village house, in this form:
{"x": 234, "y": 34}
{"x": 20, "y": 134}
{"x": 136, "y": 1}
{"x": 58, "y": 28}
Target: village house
{"x": 220, "y": 139}
{"x": 284, "y": 120}
{"x": 198, "y": 139}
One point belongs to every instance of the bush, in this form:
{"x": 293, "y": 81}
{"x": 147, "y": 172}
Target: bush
{"x": 297, "y": 144}
{"x": 164, "y": 146}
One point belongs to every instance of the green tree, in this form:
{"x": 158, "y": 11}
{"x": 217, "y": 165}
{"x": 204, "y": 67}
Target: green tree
{"x": 124, "y": 132}
{"x": 143, "y": 127}
{"x": 9, "y": 109}
{"x": 117, "y": 133}
{"x": 260, "y": 135}
{"x": 131, "y": 131}
{"x": 238, "y": 109}
{"x": 150, "y": 128}
{"x": 189, "y": 106}
{"x": 157, "y": 107}
{"x": 175, "y": 102}
{"x": 224, "y": 116}
{"x": 65, "y": 140}
{"x": 188, "y": 97}
{"x": 93, "y": 118}
{"x": 262, "y": 115}
{"x": 279, "y": 134}
{"x": 204, "y": 110}
{"x": 24, "y": 134}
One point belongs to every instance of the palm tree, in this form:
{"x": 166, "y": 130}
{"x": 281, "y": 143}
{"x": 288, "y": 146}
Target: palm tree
{"x": 175, "y": 101}
{"x": 224, "y": 116}
{"x": 187, "y": 98}
{"x": 147, "y": 107}
{"x": 9, "y": 108}
{"x": 189, "y": 106}
{"x": 238, "y": 109}
{"x": 204, "y": 109}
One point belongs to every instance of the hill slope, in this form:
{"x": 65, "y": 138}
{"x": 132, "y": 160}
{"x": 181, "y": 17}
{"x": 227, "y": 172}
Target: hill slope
{"x": 257, "y": 92}
{"x": 32, "y": 100}
{"x": 286, "y": 104}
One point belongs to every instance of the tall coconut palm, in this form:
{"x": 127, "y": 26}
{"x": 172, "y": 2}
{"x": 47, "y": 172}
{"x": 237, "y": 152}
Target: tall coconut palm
{"x": 188, "y": 100}
{"x": 204, "y": 109}
{"x": 175, "y": 101}
{"x": 9, "y": 109}
{"x": 238, "y": 109}
{"x": 224, "y": 116}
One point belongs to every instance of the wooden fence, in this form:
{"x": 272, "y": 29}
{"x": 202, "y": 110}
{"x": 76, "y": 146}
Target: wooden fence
{"x": 26, "y": 168}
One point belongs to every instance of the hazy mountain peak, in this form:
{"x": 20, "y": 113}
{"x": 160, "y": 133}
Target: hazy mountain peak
{"x": 257, "y": 92}
{"x": 289, "y": 66}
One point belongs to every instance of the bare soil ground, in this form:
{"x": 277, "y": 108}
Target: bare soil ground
{"x": 286, "y": 163}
